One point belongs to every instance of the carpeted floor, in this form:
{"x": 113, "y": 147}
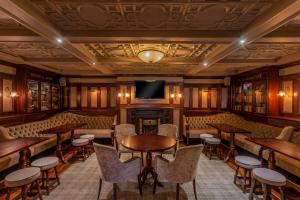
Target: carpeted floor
{"x": 80, "y": 182}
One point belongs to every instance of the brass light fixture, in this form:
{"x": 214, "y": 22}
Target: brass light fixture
{"x": 150, "y": 55}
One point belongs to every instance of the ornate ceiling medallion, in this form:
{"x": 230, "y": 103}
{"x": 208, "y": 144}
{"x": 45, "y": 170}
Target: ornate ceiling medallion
{"x": 150, "y": 55}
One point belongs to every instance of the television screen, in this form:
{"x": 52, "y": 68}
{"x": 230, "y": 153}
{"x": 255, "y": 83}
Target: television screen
{"x": 150, "y": 89}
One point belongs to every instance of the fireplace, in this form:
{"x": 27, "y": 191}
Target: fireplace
{"x": 146, "y": 120}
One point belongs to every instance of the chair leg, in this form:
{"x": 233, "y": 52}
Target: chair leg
{"x": 195, "y": 191}
{"x": 155, "y": 184}
{"x": 252, "y": 189}
{"x": 56, "y": 175}
{"x": 177, "y": 191}
{"x": 99, "y": 190}
{"x": 140, "y": 184}
{"x": 114, "y": 191}
{"x": 39, "y": 190}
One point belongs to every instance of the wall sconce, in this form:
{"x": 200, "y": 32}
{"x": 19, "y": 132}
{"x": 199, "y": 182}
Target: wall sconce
{"x": 176, "y": 95}
{"x": 14, "y": 94}
{"x": 120, "y": 94}
{"x": 281, "y": 93}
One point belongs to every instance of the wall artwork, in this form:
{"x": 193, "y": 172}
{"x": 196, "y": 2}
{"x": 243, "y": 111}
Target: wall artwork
{"x": 287, "y": 87}
{"x": 7, "y": 99}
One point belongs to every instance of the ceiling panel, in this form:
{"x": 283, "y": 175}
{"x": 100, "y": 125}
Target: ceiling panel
{"x": 152, "y": 15}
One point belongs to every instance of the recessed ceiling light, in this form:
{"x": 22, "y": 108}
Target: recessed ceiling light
{"x": 94, "y": 63}
{"x": 205, "y": 64}
{"x": 242, "y": 41}
{"x": 59, "y": 40}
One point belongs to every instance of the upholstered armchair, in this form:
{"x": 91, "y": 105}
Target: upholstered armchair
{"x": 113, "y": 170}
{"x": 169, "y": 130}
{"x": 286, "y": 133}
{"x": 181, "y": 170}
{"x": 122, "y": 131}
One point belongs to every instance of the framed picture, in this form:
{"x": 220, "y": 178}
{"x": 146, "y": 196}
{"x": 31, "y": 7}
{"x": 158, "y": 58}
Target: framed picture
{"x": 7, "y": 99}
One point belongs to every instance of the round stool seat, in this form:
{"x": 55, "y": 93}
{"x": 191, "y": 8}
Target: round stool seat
{"x": 89, "y": 137}
{"x": 268, "y": 176}
{"x": 45, "y": 163}
{"x": 247, "y": 162}
{"x": 213, "y": 140}
{"x": 22, "y": 177}
{"x": 80, "y": 142}
{"x": 205, "y": 135}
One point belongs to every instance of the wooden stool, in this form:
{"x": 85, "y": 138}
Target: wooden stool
{"x": 267, "y": 178}
{"x": 203, "y": 136}
{"x": 247, "y": 164}
{"x": 23, "y": 178}
{"x": 91, "y": 139}
{"x": 46, "y": 164}
{"x": 80, "y": 145}
{"x": 212, "y": 146}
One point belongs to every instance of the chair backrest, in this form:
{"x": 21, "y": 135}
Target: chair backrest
{"x": 286, "y": 133}
{"x": 108, "y": 161}
{"x": 170, "y": 130}
{"x": 184, "y": 167}
{"x": 123, "y": 130}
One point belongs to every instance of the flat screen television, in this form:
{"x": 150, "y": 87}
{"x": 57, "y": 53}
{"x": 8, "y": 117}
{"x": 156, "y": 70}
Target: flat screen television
{"x": 150, "y": 89}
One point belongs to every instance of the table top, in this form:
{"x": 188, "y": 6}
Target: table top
{"x": 228, "y": 128}
{"x": 148, "y": 143}
{"x": 286, "y": 148}
{"x": 12, "y": 146}
{"x": 62, "y": 128}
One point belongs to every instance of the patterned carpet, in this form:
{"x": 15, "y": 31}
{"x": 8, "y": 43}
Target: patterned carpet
{"x": 80, "y": 182}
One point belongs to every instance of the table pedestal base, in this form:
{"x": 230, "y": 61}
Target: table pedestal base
{"x": 148, "y": 169}
{"x": 231, "y": 152}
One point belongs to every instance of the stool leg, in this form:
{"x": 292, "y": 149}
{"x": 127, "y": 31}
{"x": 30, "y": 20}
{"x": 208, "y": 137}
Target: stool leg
{"x": 267, "y": 192}
{"x": 24, "y": 192}
{"x": 244, "y": 180}
{"x": 47, "y": 181}
{"x": 210, "y": 151}
{"x": 282, "y": 197}
{"x": 236, "y": 174}
{"x": 56, "y": 175}
{"x": 252, "y": 189}
{"x": 8, "y": 194}
{"x": 39, "y": 190}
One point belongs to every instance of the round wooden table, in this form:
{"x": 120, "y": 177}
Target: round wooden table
{"x": 148, "y": 144}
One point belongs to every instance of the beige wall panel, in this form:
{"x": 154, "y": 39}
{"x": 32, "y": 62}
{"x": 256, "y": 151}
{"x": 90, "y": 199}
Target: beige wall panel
{"x": 103, "y": 97}
{"x": 84, "y": 92}
{"x": 204, "y": 101}
{"x": 176, "y": 117}
{"x": 123, "y": 90}
{"x": 287, "y": 87}
{"x": 195, "y": 97}
{"x": 73, "y": 97}
{"x": 94, "y": 97}
{"x": 123, "y": 116}
{"x": 176, "y": 90}
{"x": 7, "y": 100}
{"x": 113, "y": 97}
{"x": 224, "y": 97}
{"x": 213, "y": 97}
{"x": 186, "y": 96}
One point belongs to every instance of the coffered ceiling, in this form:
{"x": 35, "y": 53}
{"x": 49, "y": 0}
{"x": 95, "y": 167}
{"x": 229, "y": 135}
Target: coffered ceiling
{"x": 101, "y": 37}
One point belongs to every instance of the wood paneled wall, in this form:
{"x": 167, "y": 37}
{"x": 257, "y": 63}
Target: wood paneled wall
{"x": 90, "y": 96}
